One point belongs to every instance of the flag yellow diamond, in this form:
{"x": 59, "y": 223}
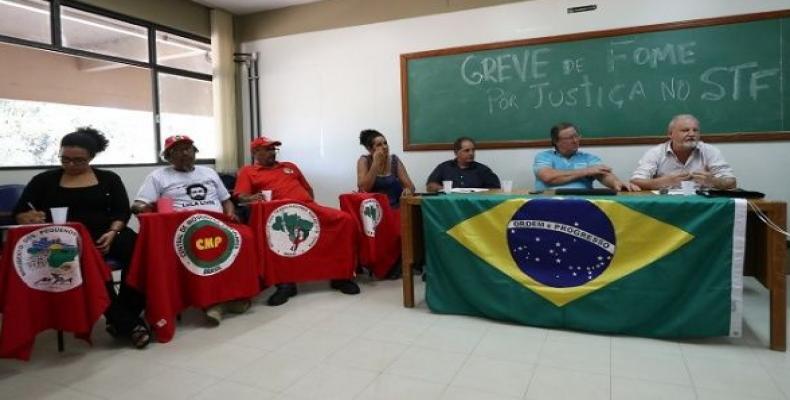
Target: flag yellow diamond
{"x": 641, "y": 240}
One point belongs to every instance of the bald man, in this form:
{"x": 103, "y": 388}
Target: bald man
{"x": 684, "y": 157}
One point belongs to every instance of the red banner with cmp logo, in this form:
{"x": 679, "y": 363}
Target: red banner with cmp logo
{"x": 191, "y": 258}
{"x": 304, "y": 242}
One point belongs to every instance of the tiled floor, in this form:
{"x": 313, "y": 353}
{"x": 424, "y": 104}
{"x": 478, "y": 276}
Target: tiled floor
{"x": 325, "y": 345}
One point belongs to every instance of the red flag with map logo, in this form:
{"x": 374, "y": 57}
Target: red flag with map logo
{"x": 379, "y": 230}
{"x": 304, "y": 241}
{"x": 51, "y": 277}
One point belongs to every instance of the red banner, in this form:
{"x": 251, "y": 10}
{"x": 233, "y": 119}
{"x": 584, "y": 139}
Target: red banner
{"x": 379, "y": 230}
{"x": 191, "y": 258}
{"x": 51, "y": 277}
{"x": 304, "y": 241}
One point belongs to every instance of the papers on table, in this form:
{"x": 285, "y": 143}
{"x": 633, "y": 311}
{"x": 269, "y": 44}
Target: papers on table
{"x": 469, "y": 190}
{"x": 671, "y": 192}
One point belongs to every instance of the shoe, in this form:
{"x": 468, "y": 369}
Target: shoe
{"x": 346, "y": 286}
{"x": 238, "y": 306}
{"x": 282, "y": 294}
{"x": 214, "y": 314}
{"x": 140, "y": 336}
{"x": 396, "y": 272}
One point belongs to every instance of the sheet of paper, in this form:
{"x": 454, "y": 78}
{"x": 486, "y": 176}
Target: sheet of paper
{"x": 469, "y": 190}
{"x": 672, "y": 192}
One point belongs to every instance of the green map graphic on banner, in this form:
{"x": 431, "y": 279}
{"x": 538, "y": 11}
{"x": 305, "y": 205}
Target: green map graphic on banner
{"x": 298, "y": 229}
{"x": 642, "y": 265}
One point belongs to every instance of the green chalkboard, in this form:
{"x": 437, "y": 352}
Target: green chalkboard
{"x": 619, "y": 86}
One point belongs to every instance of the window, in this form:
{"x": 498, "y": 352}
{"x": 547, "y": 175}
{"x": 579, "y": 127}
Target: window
{"x": 186, "y": 108}
{"x": 180, "y": 52}
{"x": 25, "y": 19}
{"x": 45, "y": 94}
{"x": 93, "y": 68}
{"x": 87, "y": 31}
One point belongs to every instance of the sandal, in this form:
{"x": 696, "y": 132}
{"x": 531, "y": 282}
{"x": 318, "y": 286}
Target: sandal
{"x": 140, "y": 336}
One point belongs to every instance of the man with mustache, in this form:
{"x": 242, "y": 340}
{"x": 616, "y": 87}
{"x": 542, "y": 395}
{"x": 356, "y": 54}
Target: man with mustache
{"x": 565, "y": 166}
{"x": 286, "y": 181}
{"x": 191, "y": 187}
{"x": 463, "y": 170}
{"x": 683, "y": 158}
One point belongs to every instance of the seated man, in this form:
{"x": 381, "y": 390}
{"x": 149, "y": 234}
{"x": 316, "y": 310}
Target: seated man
{"x": 191, "y": 187}
{"x": 463, "y": 170}
{"x": 286, "y": 181}
{"x": 567, "y": 167}
{"x": 684, "y": 157}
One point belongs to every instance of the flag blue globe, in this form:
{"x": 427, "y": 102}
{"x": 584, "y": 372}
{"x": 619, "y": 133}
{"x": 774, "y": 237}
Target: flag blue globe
{"x": 561, "y": 243}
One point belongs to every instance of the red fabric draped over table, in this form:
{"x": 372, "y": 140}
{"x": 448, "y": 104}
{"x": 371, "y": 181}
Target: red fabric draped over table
{"x": 51, "y": 277}
{"x": 191, "y": 258}
{"x": 304, "y": 241}
{"x": 379, "y": 230}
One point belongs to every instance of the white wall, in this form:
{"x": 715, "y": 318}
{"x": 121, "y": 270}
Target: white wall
{"x": 319, "y": 89}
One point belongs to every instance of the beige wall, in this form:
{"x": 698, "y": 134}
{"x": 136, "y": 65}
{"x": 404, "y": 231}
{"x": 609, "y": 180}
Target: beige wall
{"x": 40, "y": 75}
{"x": 330, "y": 14}
{"x": 180, "y": 14}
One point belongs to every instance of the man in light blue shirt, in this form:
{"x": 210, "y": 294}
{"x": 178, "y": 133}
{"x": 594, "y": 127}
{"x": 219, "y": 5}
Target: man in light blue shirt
{"x": 567, "y": 167}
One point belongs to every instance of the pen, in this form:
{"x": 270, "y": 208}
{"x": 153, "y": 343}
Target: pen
{"x": 29, "y": 204}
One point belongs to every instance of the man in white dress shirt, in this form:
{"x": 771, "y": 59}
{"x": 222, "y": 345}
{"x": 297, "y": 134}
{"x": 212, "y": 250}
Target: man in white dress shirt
{"x": 684, "y": 157}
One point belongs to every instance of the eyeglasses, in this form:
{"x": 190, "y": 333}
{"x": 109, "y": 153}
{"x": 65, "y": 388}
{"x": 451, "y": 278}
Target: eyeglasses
{"x": 569, "y": 138}
{"x": 182, "y": 149}
{"x": 73, "y": 161}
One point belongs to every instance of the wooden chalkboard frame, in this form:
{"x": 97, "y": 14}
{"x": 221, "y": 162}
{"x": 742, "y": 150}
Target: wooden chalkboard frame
{"x": 720, "y": 137}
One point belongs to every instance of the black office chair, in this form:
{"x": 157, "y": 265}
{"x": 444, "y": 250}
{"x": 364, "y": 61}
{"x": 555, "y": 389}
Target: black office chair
{"x": 229, "y": 180}
{"x": 9, "y": 195}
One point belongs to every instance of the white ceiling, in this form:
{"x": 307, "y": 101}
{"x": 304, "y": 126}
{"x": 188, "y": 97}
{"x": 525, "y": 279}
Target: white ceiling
{"x": 241, "y": 7}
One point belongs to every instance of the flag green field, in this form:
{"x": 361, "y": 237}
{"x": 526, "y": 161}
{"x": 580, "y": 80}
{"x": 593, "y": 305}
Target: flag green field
{"x": 653, "y": 266}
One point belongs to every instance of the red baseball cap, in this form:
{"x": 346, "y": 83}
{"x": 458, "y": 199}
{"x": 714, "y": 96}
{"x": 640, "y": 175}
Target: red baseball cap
{"x": 174, "y": 140}
{"x": 263, "y": 141}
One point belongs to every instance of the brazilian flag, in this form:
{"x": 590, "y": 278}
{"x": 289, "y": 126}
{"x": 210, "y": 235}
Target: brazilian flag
{"x": 657, "y": 266}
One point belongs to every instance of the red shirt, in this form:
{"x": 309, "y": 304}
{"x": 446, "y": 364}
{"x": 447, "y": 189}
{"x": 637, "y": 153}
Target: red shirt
{"x": 284, "y": 179}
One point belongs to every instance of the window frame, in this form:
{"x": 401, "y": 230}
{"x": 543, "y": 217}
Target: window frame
{"x": 154, "y": 68}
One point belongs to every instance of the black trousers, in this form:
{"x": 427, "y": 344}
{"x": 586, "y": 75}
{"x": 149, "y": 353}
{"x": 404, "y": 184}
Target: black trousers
{"x": 126, "y": 304}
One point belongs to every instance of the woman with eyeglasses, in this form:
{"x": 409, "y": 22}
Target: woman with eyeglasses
{"x": 97, "y": 199}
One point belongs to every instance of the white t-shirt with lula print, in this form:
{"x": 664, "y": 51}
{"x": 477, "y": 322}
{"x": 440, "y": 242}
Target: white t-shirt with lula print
{"x": 199, "y": 189}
